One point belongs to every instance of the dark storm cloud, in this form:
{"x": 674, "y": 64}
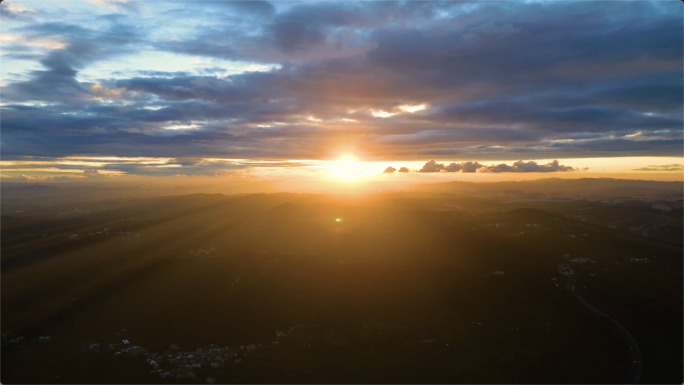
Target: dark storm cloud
{"x": 560, "y": 79}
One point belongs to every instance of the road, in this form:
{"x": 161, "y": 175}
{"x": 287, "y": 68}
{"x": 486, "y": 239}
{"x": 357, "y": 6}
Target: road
{"x": 636, "y": 362}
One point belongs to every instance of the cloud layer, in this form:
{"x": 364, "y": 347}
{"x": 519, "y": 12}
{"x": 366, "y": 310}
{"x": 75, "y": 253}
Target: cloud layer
{"x": 661, "y": 168}
{"x": 471, "y": 167}
{"x": 393, "y": 80}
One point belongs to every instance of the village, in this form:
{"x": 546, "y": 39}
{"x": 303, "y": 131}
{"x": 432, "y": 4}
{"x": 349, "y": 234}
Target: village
{"x": 174, "y": 363}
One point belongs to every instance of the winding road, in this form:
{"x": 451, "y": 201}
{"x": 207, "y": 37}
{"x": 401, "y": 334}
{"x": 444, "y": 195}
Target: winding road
{"x": 636, "y": 363}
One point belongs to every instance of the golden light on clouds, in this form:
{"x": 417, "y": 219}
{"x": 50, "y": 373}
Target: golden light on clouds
{"x": 381, "y": 114}
{"x": 398, "y": 110}
{"x": 41, "y": 42}
{"x": 412, "y": 109}
{"x": 345, "y": 169}
{"x": 182, "y": 127}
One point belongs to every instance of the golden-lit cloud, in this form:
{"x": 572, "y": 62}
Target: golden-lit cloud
{"x": 675, "y": 167}
{"x": 381, "y": 114}
{"x": 102, "y": 93}
{"x": 182, "y": 127}
{"x": 301, "y": 83}
{"x": 33, "y": 41}
{"x": 412, "y": 109}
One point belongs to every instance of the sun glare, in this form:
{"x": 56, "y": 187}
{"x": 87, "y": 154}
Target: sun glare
{"x": 346, "y": 168}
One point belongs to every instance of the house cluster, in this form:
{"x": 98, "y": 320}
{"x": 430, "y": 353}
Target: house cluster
{"x": 582, "y": 260}
{"x": 638, "y": 260}
{"x": 117, "y": 346}
{"x": 314, "y": 219}
{"x": 105, "y": 231}
{"x": 565, "y": 270}
{"x": 533, "y": 225}
{"x": 69, "y": 212}
{"x": 174, "y": 363}
{"x": 133, "y": 351}
{"x": 202, "y": 252}
{"x": 497, "y": 225}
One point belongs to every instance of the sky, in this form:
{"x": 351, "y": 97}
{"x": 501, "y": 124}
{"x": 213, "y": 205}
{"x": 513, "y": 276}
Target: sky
{"x": 418, "y": 91}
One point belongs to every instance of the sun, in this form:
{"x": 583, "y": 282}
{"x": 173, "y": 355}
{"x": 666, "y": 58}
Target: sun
{"x": 346, "y": 168}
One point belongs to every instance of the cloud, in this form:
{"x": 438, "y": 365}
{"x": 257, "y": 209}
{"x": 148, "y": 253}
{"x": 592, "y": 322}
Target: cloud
{"x": 403, "y": 169}
{"x": 531, "y": 166}
{"x": 389, "y": 170}
{"x": 58, "y": 82}
{"x": 90, "y": 172}
{"x": 471, "y": 166}
{"x": 452, "y": 167}
{"x": 132, "y": 6}
{"x": 13, "y": 11}
{"x": 498, "y": 80}
{"x": 254, "y": 7}
{"x": 432, "y": 166}
{"x": 46, "y": 178}
{"x": 664, "y": 167}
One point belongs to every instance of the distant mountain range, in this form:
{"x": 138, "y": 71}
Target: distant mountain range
{"x": 556, "y": 187}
